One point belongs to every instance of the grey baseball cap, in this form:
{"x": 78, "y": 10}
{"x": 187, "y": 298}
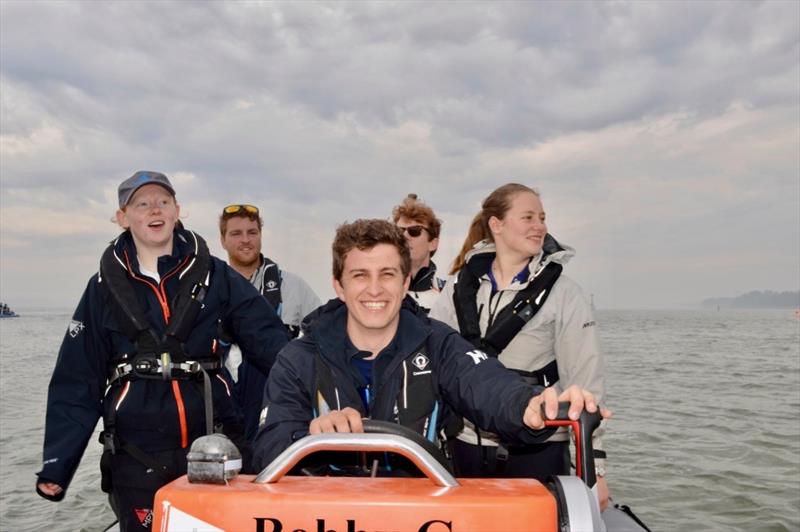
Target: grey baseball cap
{"x": 129, "y": 187}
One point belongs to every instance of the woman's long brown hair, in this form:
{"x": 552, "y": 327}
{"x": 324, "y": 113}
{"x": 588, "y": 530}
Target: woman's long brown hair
{"x": 496, "y": 204}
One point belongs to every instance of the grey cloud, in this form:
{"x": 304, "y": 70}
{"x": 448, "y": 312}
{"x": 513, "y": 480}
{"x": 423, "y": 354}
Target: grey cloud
{"x": 501, "y": 74}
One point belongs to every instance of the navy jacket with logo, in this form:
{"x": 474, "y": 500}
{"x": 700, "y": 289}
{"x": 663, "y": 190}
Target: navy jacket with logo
{"x": 153, "y": 414}
{"x": 468, "y": 383}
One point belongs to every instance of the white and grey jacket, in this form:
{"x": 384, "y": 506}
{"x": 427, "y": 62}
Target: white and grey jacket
{"x": 297, "y": 300}
{"x": 297, "y": 297}
{"x": 564, "y": 330}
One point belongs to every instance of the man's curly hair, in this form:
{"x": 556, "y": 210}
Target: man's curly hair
{"x": 364, "y": 235}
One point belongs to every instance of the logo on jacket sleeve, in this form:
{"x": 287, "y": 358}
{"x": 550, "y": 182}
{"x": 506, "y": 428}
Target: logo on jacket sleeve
{"x": 477, "y": 356}
{"x": 75, "y": 328}
{"x": 145, "y": 516}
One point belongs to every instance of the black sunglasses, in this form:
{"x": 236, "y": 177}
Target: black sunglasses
{"x": 413, "y": 230}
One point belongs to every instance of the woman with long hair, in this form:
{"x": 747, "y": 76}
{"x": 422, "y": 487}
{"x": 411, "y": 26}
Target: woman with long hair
{"x": 507, "y": 296}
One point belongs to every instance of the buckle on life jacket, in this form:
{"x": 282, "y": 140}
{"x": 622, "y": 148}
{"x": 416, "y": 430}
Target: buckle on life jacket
{"x": 160, "y": 367}
{"x": 166, "y": 366}
{"x": 154, "y": 366}
{"x": 119, "y": 371}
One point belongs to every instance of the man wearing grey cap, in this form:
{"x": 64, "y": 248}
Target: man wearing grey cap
{"x": 142, "y": 351}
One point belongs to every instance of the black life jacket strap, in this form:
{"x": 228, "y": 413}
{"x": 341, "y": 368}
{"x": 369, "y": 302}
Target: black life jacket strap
{"x": 326, "y": 390}
{"x": 112, "y": 444}
{"x": 208, "y": 402}
{"x": 511, "y": 319}
{"x": 546, "y": 376}
{"x": 272, "y": 278}
{"x": 523, "y": 308}
{"x": 465, "y": 302}
{"x": 130, "y": 317}
{"x": 194, "y": 282}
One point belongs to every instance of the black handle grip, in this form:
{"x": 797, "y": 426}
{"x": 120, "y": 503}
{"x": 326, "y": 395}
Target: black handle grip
{"x": 582, "y": 428}
{"x": 375, "y": 426}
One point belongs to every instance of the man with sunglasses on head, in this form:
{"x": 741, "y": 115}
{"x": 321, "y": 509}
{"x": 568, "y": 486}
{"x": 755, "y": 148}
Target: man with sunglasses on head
{"x": 421, "y": 229}
{"x": 292, "y": 298}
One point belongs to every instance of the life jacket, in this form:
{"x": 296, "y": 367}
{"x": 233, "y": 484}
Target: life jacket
{"x": 157, "y": 356}
{"x": 271, "y": 287}
{"x": 417, "y": 405}
{"x": 511, "y": 318}
{"x": 271, "y": 284}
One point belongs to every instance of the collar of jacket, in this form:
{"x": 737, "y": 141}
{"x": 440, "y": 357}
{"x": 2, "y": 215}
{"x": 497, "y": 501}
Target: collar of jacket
{"x": 182, "y": 245}
{"x": 328, "y": 328}
{"x": 264, "y": 262}
{"x": 479, "y": 258}
{"x": 424, "y": 278}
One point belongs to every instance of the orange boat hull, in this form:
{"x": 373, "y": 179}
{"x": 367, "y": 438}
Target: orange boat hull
{"x": 339, "y": 504}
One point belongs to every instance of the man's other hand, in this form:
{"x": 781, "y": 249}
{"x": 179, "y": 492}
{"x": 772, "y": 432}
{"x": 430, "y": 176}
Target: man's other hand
{"x": 578, "y": 399}
{"x": 346, "y": 420}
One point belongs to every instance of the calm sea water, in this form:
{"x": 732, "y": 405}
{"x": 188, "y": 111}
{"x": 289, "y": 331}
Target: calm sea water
{"x": 705, "y": 436}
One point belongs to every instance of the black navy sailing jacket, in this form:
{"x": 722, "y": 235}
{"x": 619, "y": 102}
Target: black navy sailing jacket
{"x": 469, "y": 384}
{"x": 153, "y": 414}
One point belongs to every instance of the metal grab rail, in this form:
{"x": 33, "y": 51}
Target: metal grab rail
{"x": 340, "y": 441}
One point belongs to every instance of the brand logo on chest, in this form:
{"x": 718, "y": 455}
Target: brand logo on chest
{"x": 420, "y": 361}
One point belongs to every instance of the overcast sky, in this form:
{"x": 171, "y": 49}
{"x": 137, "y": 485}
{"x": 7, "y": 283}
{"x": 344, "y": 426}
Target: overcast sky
{"x": 663, "y": 136}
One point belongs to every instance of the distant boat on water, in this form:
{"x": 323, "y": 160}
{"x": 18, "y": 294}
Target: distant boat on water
{"x": 6, "y": 312}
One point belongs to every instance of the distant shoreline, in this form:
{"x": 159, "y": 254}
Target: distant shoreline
{"x": 756, "y": 300}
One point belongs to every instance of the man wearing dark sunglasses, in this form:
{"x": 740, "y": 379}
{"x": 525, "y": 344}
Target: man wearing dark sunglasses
{"x": 292, "y": 298}
{"x": 421, "y": 230}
